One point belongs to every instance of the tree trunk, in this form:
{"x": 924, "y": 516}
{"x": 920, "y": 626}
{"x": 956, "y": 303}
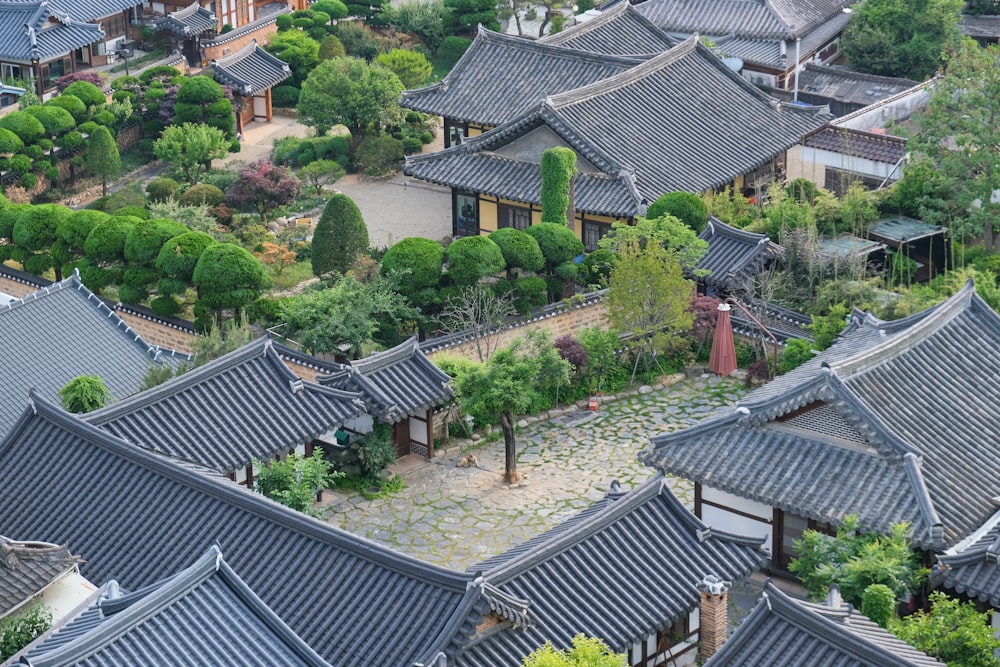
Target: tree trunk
{"x": 510, "y": 475}
{"x": 104, "y": 186}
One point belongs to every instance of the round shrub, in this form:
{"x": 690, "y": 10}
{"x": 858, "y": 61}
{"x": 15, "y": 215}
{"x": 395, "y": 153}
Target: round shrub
{"x": 557, "y": 242}
{"x": 162, "y": 73}
{"x": 33, "y": 151}
{"x": 426, "y": 137}
{"x": 122, "y": 95}
{"x": 106, "y": 241}
{"x": 105, "y": 118}
{"x": 416, "y": 262}
{"x": 55, "y": 120}
{"x": 332, "y": 8}
{"x": 378, "y": 156}
{"x": 597, "y": 267}
{"x": 86, "y": 92}
{"x": 24, "y": 125}
{"x": 303, "y": 24}
{"x": 285, "y": 96}
{"x": 529, "y": 293}
{"x": 473, "y": 258}
{"x": 35, "y": 228}
{"x": 45, "y": 144}
{"x": 144, "y": 241}
{"x": 9, "y": 142}
{"x": 71, "y": 140}
{"x": 74, "y": 228}
{"x": 202, "y": 193}
{"x": 127, "y": 197}
{"x": 8, "y": 216}
{"x": 684, "y": 206}
{"x": 87, "y": 127}
{"x": 71, "y": 103}
{"x": 340, "y": 236}
{"x": 20, "y": 164}
{"x": 451, "y": 49}
{"x": 284, "y": 22}
{"x": 520, "y": 249}
{"x": 140, "y": 212}
{"x": 179, "y": 255}
{"x": 161, "y": 188}
{"x": 412, "y": 145}
{"x": 331, "y": 47}
{"x": 227, "y": 276}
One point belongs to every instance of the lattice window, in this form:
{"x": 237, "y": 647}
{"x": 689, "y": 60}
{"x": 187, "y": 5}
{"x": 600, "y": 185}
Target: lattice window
{"x": 825, "y": 419}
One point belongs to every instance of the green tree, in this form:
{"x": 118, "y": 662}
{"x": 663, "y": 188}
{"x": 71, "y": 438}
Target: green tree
{"x": 176, "y": 263}
{"x": 878, "y": 602}
{"x": 350, "y": 92}
{"x": 103, "y": 158}
{"x": 954, "y": 632}
{"x": 200, "y": 99}
{"x": 332, "y": 8}
{"x": 511, "y": 383}
{"x": 959, "y": 132}
{"x": 559, "y": 247}
{"x": 472, "y": 258}
{"x": 84, "y": 393}
{"x": 72, "y": 232}
{"x": 470, "y": 13}
{"x": 340, "y": 236}
{"x": 666, "y": 231}
{"x": 331, "y": 47}
{"x": 585, "y": 652}
{"x": 19, "y": 630}
{"x": 55, "y": 120}
{"x": 35, "y": 237}
{"x": 227, "y": 277}
{"x": 296, "y": 48}
{"x": 86, "y": 92}
{"x": 9, "y": 142}
{"x": 411, "y": 67}
{"x": 348, "y": 313}
{"x": 296, "y": 481}
{"x": 321, "y": 172}
{"x": 649, "y": 298}
{"x": 414, "y": 265}
{"x": 854, "y": 561}
{"x": 558, "y": 169}
{"x": 191, "y": 147}
{"x": 27, "y": 128}
{"x": 901, "y": 37}
{"x": 143, "y": 245}
{"x": 684, "y": 206}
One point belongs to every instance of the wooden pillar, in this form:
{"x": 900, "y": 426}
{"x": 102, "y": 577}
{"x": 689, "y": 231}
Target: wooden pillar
{"x": 267, "y": 104}
{"x": 430, "y": 433}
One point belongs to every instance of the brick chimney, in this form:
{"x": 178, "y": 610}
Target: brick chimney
{"x": 714, "y": 617}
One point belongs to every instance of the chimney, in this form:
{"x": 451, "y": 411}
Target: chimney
{"x": 714, "y": 616}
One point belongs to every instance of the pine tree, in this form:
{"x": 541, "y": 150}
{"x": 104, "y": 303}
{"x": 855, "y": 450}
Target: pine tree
{"x": 340, "y": 236}
{"x": 102, "y": 157}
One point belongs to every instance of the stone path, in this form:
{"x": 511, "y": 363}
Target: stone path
{"x": 456, "y": 517}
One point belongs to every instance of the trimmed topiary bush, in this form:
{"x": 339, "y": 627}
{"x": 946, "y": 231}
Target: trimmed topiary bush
{"x": 558, "y": 167}
{"x": 378, "y": 156}
{"x": 161, "y": 188}
{"x": 529, "y": 293}
{"x": 557, "y": 242}
{"x": 520, "y": 250}
{"x": 415, "y": 263}
{"x": 10, "y": 142}
{"x": 86, "y": 92}
{"x": 24, "y": 125}
{"x": 140, "y": 212}
{"x": 71, "y": 103}
{"x": 144, "y": 241}
{"x": 412, "y": 145}
{"x": 202, "y": 193}
{"x": 684, "y": 206}
{"x": 55, "y": 120}
{"x": 74, "y": 228}
{"x": 472, "y": 258}
{"x": 228, "y": 277}
{"x": 340, "y": 236}
{"x": 106, "y": 241}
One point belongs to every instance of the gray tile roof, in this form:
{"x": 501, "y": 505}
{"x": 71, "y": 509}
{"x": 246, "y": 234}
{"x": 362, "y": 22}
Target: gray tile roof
{"x": 41, "y": 30}
{"x": 93, "y": 10}
{"x": 595, "y": 573}
{"x": 878, "y": 443}
{"x": 252, "y": 70}
{"x": 734, "y": 255}
{"x": 242, "y": 406}
{"x": 980, "y": 26}
{"x": 790, "y": 633}
{"x": 205, "y": 614}
{"x": 679, "y": 121}
{"x": 134, "y": 515}
{"x": 192, "y": 20}
{"x": 756, "y": 19}
{"x": 480, "y": 88}
{"x": 266, "y": 15}
{"x": 621, "y": 30}
{"x": 844, "y": 85}
{"x": 972, "y": 567}
{"x": 395, "y": 383}
{"x": 856, "y": 143}
{"x": 60, "y": 332}
{"x": 27, "y": 568}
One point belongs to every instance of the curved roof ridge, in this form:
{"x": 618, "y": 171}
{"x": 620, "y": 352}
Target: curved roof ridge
{"x": 920, "y": 330}
{"x": 380, "y": 360}
{"x": 365, "y": 549}
{"x": 190, "y": 10}
{"x": 580, "y": 143}
{"x": 608, "y": 16}
{"x": 550, "y": 49}
{"x": 708, "y": 424}
{"x": 252, "y": 48}
{"x": 716, "y": 226}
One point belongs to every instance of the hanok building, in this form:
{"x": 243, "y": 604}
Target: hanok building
{"x": 136, "y": 515}
{"x": 692, "y": 125}
{"x": 624, "y": 570}
{"x": 62, "y": 331}
{"x": 241, "y": 408}
{"x": 971, "y": 569}
{"x": 924, "y": 244}
{"x": 41, "y": 41}
{"x": 402, "y": 387}
{"x": 734, "y": 257}
{"x": 846, "y": 91}
{"x": 33, "y": 572}
{"x": 857, "y": 431}
{"x": 252, "y": 72}
{"x": 783, "y": 631}
{"x": 772, "y": 38}
{"x": 195, "y": 616}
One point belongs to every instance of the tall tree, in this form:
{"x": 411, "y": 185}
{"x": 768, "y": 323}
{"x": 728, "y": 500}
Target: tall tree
{"x": 227, "y": 277}
{"x": 959, "y": 132}
{"x": 350, "y": 92}
{"x": 84, "y": 393}
{"x": 103, "y": 158}
{"x": 901, "y": 37}
{"x": 262, "y": 186}
{"x": 510, "y": 383}
{"x": 649, "y": 298}
{"x": 954, "y": 631}
{"x": 201, "y": 100}
{"x": 340, "y": 236}
{"x": 558, "y": 168}
{"x": 191, "y": 147}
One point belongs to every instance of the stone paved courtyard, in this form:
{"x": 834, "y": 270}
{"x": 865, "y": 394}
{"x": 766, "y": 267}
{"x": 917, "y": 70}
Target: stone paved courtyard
{"x": 456, "y": 517}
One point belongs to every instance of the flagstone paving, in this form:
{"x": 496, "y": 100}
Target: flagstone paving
{"x": 457, "y": 517}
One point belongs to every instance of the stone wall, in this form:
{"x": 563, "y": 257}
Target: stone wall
{"x": 571, "y": 321}
{"x": 222, "y": 46}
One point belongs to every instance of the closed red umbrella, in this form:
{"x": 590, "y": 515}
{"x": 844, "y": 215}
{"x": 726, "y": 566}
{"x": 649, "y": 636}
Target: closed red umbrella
{"x": 723, "y": 359}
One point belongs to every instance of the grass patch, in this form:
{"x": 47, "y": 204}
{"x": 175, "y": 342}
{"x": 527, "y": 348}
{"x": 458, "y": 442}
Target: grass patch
{"x": 362, "y": 484}
{"x": 291, "y": 276}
